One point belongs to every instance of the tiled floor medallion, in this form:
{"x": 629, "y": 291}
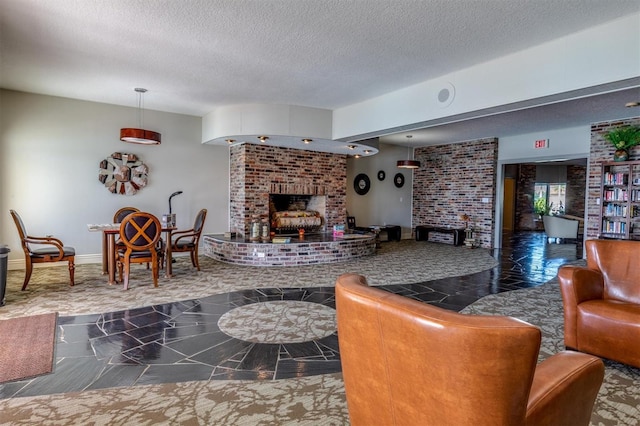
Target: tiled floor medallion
{"x": 282, "y": 321}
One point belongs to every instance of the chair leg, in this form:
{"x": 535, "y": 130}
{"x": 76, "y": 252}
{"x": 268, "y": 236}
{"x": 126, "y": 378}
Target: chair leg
{"x": 194, "y": 259}
{"x": 155, "y": 273}
{"x": 127, "y": 268}
{"x": 120, "y": 270}
{"x": 27, "y": 272}
{"x": 72, "y": 268}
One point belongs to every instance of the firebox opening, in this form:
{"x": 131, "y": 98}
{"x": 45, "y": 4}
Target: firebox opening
{"x": 291, "y": 212}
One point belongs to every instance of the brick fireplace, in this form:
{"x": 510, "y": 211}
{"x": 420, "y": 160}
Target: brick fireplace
{"x": 256, "y": 171}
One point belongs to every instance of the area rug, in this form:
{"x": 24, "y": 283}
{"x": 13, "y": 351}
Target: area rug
{"x": 27, "y": 346}
{"x": 618, "y": 402}
{"x": 315, "y": 400}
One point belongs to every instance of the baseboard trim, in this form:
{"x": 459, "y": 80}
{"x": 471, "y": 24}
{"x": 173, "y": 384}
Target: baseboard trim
{"x": 17, "y": 264}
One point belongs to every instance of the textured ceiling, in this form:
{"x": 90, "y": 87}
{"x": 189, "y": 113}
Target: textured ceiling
{"x": 196, "y": 55}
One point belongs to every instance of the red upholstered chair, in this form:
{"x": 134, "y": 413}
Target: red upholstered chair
{"x": 139, "y": 233}
{"x": 42, "y": 250}
{"x": 188, "y": 240}
{"x": 602, "y": 301}
{"x": 405, "y": 362}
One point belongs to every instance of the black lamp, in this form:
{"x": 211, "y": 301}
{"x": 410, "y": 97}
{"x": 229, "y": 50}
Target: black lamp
{"x": 171, "y": 196}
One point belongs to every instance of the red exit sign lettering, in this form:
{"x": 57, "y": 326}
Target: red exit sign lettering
{"x": 541, "y": 143}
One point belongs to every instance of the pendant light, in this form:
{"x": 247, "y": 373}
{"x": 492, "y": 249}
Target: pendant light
{"x": 408, "y": 164}
{"x": 140, "y": 135}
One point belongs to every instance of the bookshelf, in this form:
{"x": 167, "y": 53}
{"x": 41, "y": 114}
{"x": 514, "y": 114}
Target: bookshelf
{"x": 620, "y": 200}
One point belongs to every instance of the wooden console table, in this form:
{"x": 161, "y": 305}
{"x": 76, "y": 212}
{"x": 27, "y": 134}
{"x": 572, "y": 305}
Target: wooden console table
{"x": 422, "y": 233}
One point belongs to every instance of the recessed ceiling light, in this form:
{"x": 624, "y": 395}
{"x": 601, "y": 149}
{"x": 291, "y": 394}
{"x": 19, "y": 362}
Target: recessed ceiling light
{"x": 632, "y": 104}
{"x": 230, "y": 140}
{"x": 352, "y": 146}
{"x": 356, "y": 156}
{"x": 307, "y": 141}
{"x": 263, "y": 138}
{"x": 367, "y": 151}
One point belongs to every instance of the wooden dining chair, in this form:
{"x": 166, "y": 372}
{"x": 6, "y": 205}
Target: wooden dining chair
{"x": 119, "y": 216}
{"x": 188, "y": 240}
{"x": 50, "y": 250}
{"x": 139, "y": 233}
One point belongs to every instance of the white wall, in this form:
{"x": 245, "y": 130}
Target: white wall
{"x": 384, "y": 204}
{"x": 573, "y": 142}
{"x": 50, "y": 150}
{"x": 559, "y": 66}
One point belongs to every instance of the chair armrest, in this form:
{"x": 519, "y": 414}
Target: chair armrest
{"x": 190, "y": 233}
{"x": 46, "y": 241}
{"x": 579, "y": 284}
{"x": 564, "y": 389}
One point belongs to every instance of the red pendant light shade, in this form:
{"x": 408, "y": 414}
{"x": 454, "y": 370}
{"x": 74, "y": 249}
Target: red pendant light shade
{"x": 408, "y": 164}
{"x": 140, "y": 135}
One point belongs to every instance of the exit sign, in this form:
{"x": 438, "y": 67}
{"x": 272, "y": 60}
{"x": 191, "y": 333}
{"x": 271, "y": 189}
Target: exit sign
{"x": 541, "y": 143}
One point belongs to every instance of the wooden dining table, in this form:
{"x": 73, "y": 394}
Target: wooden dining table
{"x": 109, "y": 232}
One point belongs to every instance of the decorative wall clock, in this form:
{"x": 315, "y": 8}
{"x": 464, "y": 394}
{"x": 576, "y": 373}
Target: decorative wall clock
{"x": 398, "y": 180}
{"x": 361, "y": 184}
{"x": 123, "y": 173}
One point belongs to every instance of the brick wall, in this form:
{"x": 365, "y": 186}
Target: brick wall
{"x": 576, "y": 190}
{"x": 258, "y": 170}
{"x": 524, "y": 198}
{"x": 453, "y": 179}
{"x": 602, "y": 151}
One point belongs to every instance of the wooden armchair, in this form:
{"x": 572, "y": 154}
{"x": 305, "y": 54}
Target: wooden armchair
{"x": 139, "y": 233}
{"x": 188, "y": 240}
{"x": 405, "y": 362}
{"x": 51, "y": 250}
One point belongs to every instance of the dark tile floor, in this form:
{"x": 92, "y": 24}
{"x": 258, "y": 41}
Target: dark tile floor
{"x": 181, "y": 341}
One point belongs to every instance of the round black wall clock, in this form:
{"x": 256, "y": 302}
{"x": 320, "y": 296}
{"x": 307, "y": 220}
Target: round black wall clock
{"x": 381, "y": 175}
{"x": 398, "y": 180}
{"x": 361, "y": 184}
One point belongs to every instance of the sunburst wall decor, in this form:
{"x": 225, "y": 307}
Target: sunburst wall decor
{"x": 123, "y": 173}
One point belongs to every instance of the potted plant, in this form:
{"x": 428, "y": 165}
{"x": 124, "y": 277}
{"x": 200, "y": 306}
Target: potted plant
{"x": 622, "y": 139}
{"x": 541, "y": 208}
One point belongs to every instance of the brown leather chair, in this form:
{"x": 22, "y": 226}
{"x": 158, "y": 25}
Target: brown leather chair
{"x": 405, "y": 362}
{"x": 51, "y": 250}
{"x": 139, "y": 233}
{"x": 602, "y": 301}
{"x": 188, "y": 240}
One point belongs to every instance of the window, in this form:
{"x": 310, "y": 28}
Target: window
{"x": 549, "y": 198}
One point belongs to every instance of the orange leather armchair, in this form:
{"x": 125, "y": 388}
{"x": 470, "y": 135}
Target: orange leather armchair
{"x": 602, "y": 301}
{"x": 405, "y": 362}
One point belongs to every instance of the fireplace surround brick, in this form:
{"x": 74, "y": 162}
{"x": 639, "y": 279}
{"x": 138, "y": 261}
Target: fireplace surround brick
{"x": 258, "y": 170}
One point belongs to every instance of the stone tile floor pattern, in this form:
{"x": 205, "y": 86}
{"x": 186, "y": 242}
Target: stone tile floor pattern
{"x": 182, "y": 341}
